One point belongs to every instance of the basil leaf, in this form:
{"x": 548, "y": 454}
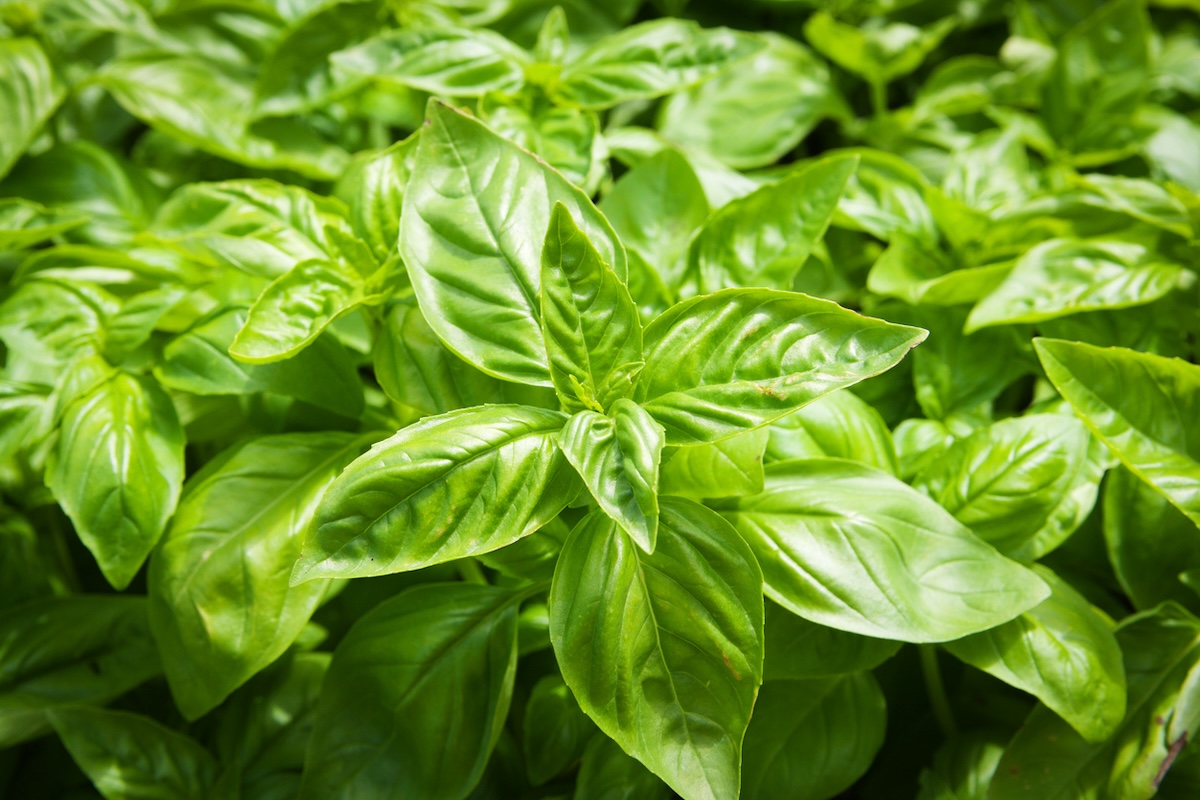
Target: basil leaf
{"x": 838, "y": 425}
{"x": 827, "y": 533}
{"x": 416, "y": 695}
{"x": 728, "y": 468}
{"x": 455, "y": 485}
{"x": 799, "y": 650}
{"x": 32, "y": 92}
{"x": 490, "y": 316}
{"x": 666, "y": 666}
{"x": 556, "y": 730}
{"x": 727, "y": 362}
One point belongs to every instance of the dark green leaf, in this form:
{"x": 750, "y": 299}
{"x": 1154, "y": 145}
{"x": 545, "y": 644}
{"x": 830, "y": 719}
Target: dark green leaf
{"x": 556, "y": 730}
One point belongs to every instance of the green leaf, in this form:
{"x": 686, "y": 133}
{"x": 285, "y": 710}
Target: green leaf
{"x": 556, "y": 730}
{"x": 24, "y": 223}
{"x": 207, "y": 106}
{"x": 878, "y": 54}
{"x": 618, "y": 459}
{"x": 416, "y": 696}
{"x": 373, "y": 189}
{"x": 1048, "y": 759}
{"x": 295, "y": 309}
{"x": 591, "y": 328}
{"x": 117, "y": 471}
{"x": 607, "y": 773}
{"x": 649, "y": 60}
{"x": 69, "y": 651}
{"x": 838, "y": 425}
{"x": 476, "y": 196}
{"x": 836, "y": 723}
{"x": 46, "y": 324}
{"x": 764, "y": 238}
{"x": 784, "y": 87}
{"x": 1140, "y": 405}
{"x": 1150, "y": 542}
{"x": 1023, "y": 485}
{"x": 886, "y": 194}
{"x": 1063, "y": 652}
{"x": 799, "y": 650}
{"x": 450, "y": 62}
{"x": 260, "y": 227}
{"x": 729, "y": 468}
{"x": 664, "y": 651}
{"x": 132, "y": 757}
{"x": 655, "y": 208}
{"x": 30, "y": 93}
{"x": 198, "y": 361}
{"x": 727, "y": 362}
{"x": 918, "y": 274}
{"x": 567, "y": 139}
{"x": 962, "y": 769}
{"x": 450, "y": 486}
{"x": 219, "y": 597}
{"x": 853, "y": 548}
{"x": 1066, "y": 276}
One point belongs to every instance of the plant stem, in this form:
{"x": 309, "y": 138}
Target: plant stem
{"x": 879, "y": 98}
{"x": 469, "y": 571}
{"x": 937, "y": 691}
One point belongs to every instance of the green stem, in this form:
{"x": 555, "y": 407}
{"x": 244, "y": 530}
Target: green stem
{"x": 937, "y": 691}
{"x": 879, "y": 98}
{"x": 469, "y": 571}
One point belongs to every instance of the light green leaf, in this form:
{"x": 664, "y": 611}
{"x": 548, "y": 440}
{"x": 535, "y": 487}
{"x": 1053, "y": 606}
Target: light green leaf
{"x": 30, "y": 91}
{"x": 962, "y": 768}
{"x": 591, "y": 328}
{"x": 117, "y": 471}
{"x": 648, "y": 60}
{"x": 764, "y": 238}
{"x": 664, "y": 651}
{"x": 729, "y": 468}
{"x": 556, "y": 730}
{"x": 218, "y": 585}
{"x": 811, "y": 739}
{"x": 878, "y": 54}
{"x": 131, "y": 757}
{"x": 1066, "y": 276}
{"x": 1048, "y": 759}
{"x": 416, "y": 696}
{"x": 198, "y": 361}
{"x": 450, "y": 486}
{"x": 918, "y": 274}
{"x": 853, "y": 548}
{"x": 471, "y": 202}
{"x": 784, "y": 87}
{"x": 295, "y": 309}
{"x": 799, "y": 650}
{"x": 207, "y": 106}
{"x": 618, "y": 459}
{"x": 373, "y": 189}
{"x": 1063, "y": 652}
{"x": 1150, "y": 542}
{"x": 450, "y": 62}
{"x": 838, "y": 425}
{"x": 886, "y": 194}
{"x": 567, "y": 139}
{"x": 46, "y": 324}
{"x": 1023, "y": 484}
{"x": 727, "y": 362}
{"x": 655, "y": 208}
{"x": 24, "y": 223}
{"x": 1141, "y": 405}
{"x": 68, "y": 651}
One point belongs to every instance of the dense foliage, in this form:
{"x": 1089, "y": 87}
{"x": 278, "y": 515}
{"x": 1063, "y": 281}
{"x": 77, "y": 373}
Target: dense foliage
{"x": 488, "y": 399}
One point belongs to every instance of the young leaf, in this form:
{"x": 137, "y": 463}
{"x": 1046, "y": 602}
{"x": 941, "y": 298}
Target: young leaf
{"x": 727, "y": 362}
{"x": 618, "y": 459}
{"x": 648, "y": 60}
{"x": 373, "y": 189}
{"x": 1063, "y": 652}
{"x": 471, "y": 202}
{"x": 1065, "y": 277}
{"x": 416, "y": 696}
{"x": 66, "y": 651}
{"x": 31, "y": 93}
{"x": 1048, "y": 759}
{"x": 132, "y": 757}
{"x": 729, "y": 468}
{"x": 837, "y": 723}
{"x": 220, "y": 603}
{"x": 455, "y": 485}
{"x": 667, "y": 663}
{"x": 117, "y": 471}
{"x": 590, "y": 324}
{"x": 764, "y": 238}
{"x": 853, "y": 548}
{"x": 1141, "y": 405}
{"x": 1023, "y": 485}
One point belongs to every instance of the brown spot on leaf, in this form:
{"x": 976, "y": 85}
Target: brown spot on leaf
{"x": 736, "y": 675}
